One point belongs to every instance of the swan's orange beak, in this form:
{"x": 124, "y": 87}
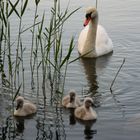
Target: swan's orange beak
{"x": 86, "y": 21}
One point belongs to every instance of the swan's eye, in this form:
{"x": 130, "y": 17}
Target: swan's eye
{"x": 88, "y": 15}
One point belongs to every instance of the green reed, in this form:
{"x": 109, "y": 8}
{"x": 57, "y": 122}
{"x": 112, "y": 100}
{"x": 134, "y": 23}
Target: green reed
{"x": 19, "y": 57}
{"x": 32, "y": 61}
{"x": 54, "y": 33}
{"x": 47, "y": 58}
{"x": 4, "y": 41}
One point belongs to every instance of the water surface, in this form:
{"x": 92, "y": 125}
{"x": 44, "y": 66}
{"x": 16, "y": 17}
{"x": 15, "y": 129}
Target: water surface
{"x": 118, "y": 111}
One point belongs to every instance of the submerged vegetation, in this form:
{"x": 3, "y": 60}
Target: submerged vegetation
{"x": 47, "y": 58}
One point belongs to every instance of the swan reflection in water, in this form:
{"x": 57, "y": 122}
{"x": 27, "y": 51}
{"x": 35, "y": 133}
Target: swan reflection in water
{"x": 94, "y": 67}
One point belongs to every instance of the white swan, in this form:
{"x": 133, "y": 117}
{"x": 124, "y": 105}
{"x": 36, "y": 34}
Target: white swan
{"x": 86, "y": 112}
{"x": 71, "y": 100}
{"x": 24, "y": 107}
{"x": 93, "y": 40}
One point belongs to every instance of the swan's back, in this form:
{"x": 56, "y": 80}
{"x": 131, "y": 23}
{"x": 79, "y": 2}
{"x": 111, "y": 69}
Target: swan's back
{"x": 104, "y": 44}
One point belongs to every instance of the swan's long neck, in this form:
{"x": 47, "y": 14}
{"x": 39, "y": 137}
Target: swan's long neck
{"x": 91, "y": 38}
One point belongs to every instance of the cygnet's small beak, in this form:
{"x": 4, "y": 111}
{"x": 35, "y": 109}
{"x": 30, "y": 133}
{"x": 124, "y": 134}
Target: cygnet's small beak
{"x": 18, "y": 106}
{"x": 72, "y": 98}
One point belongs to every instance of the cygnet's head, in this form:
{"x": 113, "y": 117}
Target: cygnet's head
{"x": 88, "y": 102}
{"x": 72, "y": 96}
{"x": 91, "y": 13}
{"x": 20, "y": 101}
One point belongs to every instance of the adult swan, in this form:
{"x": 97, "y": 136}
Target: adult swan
{"x": 93, "y": 40}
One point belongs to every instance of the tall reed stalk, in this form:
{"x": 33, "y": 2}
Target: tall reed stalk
{"x": 47, "y": 56}
{"x": 1, "y": 38}
{"x": 47, "y": 41}
{"x": 32, "y": 61}
{"x": 19, "y": 43}
{"x": 55, "y": 34}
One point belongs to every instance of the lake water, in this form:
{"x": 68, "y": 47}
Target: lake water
{"x": 118, "y": 111}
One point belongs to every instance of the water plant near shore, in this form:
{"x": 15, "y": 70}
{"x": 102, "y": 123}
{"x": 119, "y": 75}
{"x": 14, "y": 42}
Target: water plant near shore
{"x": 47, "y": 58}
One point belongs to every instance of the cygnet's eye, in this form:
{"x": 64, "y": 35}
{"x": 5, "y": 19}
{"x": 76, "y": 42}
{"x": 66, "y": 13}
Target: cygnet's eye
{"x": 90, "y": 102}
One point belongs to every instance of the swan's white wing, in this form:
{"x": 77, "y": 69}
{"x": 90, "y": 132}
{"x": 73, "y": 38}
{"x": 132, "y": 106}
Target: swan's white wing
{"x": 82, "y": 39}
{"x": 103, "y": 42}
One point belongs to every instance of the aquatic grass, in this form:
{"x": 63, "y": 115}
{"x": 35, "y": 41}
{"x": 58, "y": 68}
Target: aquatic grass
{"x": 53, "y": 40}
{"x": 32, "y": 61}
{"x": 4, "y": 40}
{"x": 20, "y": 14}
{"x": 22, "y": 63}
{"x": 43, "y": 56}
{"x": 48, "y": 58}
{"x": 1, "y": 39}
{"x": 13, "y": 8}
{"x": 45, "y": 40}
{"x": 17, "y": 93}
{"x": 112, "y": 83}
{"x": 2, "y": 13}
{"x": 9, "y": 58}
